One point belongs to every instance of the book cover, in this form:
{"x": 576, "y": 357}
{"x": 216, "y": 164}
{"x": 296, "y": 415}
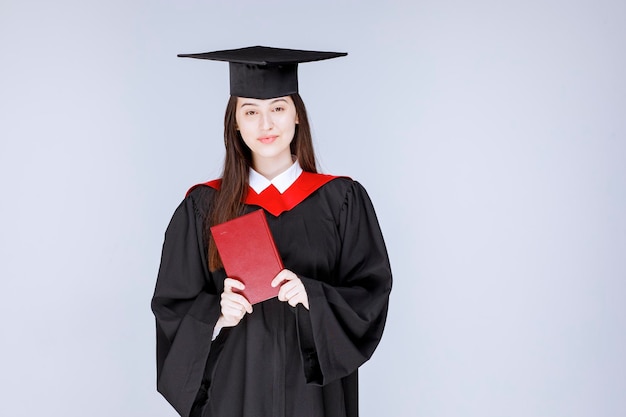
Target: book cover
{"x": 249, "y": 254}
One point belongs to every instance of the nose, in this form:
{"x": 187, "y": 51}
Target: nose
{"x": 267, "y": 121}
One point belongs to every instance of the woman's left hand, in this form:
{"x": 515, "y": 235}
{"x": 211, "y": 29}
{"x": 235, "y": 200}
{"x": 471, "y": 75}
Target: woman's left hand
{"x": 291, "y": 288}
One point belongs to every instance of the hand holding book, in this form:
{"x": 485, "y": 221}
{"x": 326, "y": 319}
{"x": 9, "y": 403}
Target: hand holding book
{"x": 234, "y": 305}
{"x": 254, "y": 269}
{"x": 291, "y": 288}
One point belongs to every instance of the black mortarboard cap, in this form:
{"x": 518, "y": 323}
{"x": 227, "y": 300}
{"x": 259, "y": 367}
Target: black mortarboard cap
{"x": 263, "y": 72}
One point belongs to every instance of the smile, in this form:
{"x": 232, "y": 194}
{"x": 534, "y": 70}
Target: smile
{"x": 268, "y": 139}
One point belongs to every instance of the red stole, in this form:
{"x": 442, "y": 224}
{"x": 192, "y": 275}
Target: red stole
{"x": 272, "y": 200}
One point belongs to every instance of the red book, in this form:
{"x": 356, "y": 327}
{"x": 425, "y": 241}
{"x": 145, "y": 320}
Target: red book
{"x": 249, "y": 254}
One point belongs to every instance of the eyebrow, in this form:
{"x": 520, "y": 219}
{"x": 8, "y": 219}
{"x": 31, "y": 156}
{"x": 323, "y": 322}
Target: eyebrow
{"x": 273, "y": 102}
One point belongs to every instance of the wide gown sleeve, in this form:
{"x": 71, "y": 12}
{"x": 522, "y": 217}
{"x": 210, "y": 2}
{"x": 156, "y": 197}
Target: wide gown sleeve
{"x": 186, "y": 308}
{"x": 347, "y": 315}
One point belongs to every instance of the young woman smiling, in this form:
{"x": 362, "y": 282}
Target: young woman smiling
{"x": 298, "y": 354}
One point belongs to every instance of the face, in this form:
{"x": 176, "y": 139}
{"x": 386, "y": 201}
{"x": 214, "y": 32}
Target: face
{"x": 267, "y": 127}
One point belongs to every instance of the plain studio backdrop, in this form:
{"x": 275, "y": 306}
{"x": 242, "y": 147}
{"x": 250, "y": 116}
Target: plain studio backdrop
{"x": 491, "y": 136}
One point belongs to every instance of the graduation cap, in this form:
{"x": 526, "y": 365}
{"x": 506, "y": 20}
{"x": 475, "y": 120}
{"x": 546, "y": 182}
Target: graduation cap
{"x": 263, "y": 72}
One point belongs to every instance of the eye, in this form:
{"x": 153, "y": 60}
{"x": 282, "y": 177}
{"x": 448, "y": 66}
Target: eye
{"x": 250, "y": 113}
{"x": 279, "y": 108}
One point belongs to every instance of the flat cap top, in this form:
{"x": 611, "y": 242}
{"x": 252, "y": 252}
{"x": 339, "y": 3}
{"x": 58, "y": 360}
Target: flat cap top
{"x": 265, "y": 56}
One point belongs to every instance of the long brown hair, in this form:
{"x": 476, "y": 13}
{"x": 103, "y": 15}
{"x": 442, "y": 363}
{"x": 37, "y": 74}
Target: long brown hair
{"x": 228, "y": 202}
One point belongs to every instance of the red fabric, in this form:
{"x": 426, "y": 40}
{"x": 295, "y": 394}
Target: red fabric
{"x": 272, "y": 200}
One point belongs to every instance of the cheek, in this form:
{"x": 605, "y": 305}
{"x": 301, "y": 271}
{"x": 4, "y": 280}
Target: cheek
{"x": 248, "y": 139}
{"x": 289, "y": 122}
{"x": 246, "y": 131}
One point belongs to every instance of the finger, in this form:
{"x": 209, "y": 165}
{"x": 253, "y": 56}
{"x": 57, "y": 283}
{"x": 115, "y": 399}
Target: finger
{"x": 291, "y": 287}
{"x": 294, "y": 301}
{"x": 293, "y": 292}
{"x": 233, "y": 314}
{"x": 277, "y": 279}
{"x": 230, "y": 283}
{"x": 233, "y": 310}
{"x": 284, "y": 275}
{"x": 300, "y": 298}
{"x": 286, "y": 289}
{"x": 235, "y": 299}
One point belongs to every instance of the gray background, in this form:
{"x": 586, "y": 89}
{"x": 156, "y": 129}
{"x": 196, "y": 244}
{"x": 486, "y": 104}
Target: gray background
{"x": 489, "y": 134}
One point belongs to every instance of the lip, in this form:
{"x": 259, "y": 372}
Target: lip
{"x": 268, "y": 139}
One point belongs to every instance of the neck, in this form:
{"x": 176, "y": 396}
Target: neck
{"x": 271, "y": 167}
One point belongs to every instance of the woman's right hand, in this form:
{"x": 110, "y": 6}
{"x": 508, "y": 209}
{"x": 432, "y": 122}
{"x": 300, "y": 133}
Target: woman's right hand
{"x": 234, "y": 305}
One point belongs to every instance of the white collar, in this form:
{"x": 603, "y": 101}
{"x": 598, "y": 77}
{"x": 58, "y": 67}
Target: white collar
{"x": 282, "y": 181}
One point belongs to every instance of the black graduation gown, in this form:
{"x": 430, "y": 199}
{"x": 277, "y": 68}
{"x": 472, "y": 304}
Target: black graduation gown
{"x": 278, "y": 361}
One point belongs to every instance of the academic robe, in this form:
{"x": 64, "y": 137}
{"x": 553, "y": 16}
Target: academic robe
{"x": 278, "y": 361}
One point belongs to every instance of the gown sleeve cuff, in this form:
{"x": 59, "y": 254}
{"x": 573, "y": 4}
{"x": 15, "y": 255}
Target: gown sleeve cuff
{"x": 310, "y": 361}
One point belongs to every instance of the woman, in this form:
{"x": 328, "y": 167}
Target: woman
{"x": 297, "y": 354}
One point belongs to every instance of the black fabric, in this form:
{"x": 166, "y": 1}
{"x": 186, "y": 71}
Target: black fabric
{"x": 265, "y": 55}
{"x": 263, "y": 82}
{"x": 278, "y": 361}
{"x": 263, "y": 72}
